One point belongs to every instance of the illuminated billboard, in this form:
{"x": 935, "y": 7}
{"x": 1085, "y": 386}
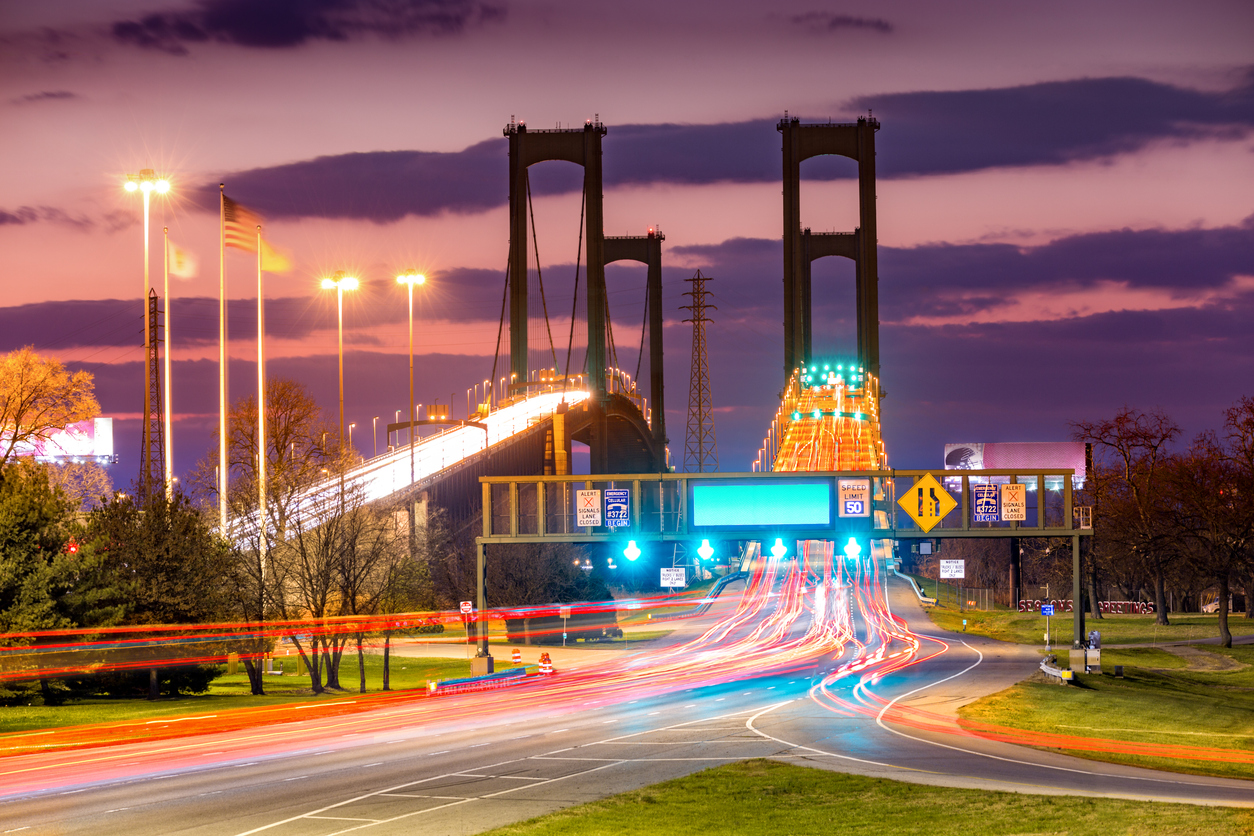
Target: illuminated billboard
{"x": 768, "y": 504}
{"x": 1023, "y": 456}
{"x": 86, "y": 441}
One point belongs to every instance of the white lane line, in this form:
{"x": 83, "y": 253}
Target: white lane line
{"x": 297, "y": 778}
{"x": 368, "y": 765}
{"x": 342, "y": 818}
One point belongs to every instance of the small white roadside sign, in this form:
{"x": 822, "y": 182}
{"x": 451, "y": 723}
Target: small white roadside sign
{"x": 950, "y": 569}
{"x": 587, "y": 508}
{"x": 673, "y": 577}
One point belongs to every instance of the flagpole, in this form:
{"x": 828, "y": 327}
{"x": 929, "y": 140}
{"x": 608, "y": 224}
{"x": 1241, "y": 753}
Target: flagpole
{"x": 261, "y": 414}
{"x": 223, "y": 462}
{"x": 169, "y": 435}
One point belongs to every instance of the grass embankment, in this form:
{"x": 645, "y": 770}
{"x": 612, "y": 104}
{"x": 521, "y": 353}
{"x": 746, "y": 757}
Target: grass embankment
{"x": 1160, "y": 700}
{"x": 230, "y": 700}
{"x": 764, "y": 797}
{"x": 1029, "y": 628}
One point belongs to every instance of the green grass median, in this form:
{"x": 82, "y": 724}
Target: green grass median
{"x": 1163, "y": 698}
{"x": 1029, "y": 628}
{"x": 765, "y": 797}
{"x": 230, "y": 692}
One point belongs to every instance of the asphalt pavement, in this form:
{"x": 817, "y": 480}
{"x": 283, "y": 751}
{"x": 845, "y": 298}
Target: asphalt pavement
{"x": 481, "y": 764}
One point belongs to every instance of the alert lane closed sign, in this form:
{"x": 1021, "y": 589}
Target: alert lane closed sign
{"x": 1014, "y": 503}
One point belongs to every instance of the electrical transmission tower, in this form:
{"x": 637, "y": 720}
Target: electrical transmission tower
{"x": 152, "y": 453}
{"x": 700, "y": 449}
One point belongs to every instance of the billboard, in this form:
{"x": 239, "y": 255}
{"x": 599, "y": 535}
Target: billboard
{"x": 86, "y": 441}
{"x": 1018, "y": 455}
{"x": 762, "y": 504}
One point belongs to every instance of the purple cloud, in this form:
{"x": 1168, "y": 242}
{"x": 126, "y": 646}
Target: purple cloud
{"x": 829, "y": 22}
{"x": 923, "y": 133}
{"x": 278, "y": 24}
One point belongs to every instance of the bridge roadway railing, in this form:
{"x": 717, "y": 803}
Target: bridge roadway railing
{"x": 389, "y": 474}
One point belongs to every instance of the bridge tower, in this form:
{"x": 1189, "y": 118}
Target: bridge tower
{"x": 801, "y": 142}
{"x": 647, "y": 249}
{"x": 582, "y": 146}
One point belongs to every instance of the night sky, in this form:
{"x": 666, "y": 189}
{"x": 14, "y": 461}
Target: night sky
{"x": 1066, "y": 208}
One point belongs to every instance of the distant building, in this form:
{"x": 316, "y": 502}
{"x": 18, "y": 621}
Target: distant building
{"x": 86, "y": 441}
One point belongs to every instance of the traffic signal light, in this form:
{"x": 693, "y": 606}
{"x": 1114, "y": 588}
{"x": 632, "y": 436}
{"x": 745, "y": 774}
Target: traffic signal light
{"x": 631, "y": 551}
{"x": 779, "y": 549}
{"x": 705, "y": 550}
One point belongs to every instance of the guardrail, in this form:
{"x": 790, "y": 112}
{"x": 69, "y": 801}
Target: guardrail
{"x": 1064, "y": 677}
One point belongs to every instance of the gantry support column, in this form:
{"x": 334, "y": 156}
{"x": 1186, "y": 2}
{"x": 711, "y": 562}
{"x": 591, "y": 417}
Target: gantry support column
{"x": 800, "y": 142}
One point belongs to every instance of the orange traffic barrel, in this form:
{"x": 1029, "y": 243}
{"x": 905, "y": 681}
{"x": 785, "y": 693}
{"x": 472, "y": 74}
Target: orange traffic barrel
{"x": 517, "y": 656}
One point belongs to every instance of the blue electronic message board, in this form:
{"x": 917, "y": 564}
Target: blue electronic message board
{"x": 768, "y": 504}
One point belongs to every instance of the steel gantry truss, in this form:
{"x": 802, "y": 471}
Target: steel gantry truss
{"x": 541, "y": 509}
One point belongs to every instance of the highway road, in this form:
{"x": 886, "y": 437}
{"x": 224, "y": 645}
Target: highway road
{"x": 613, "y": 722}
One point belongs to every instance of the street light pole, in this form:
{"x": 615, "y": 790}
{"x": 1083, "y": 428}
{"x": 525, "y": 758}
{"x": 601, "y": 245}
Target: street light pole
{"x": 374, "y": 434}
{"x": 409, "y": 280}
{"x": 340, "y": 282}
{"x": 147, "y": 182}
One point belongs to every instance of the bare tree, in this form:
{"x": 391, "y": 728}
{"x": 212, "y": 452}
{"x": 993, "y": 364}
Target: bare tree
{"x": 1136, "y": 443}
{"x": 85, "y": 484}
{"x": 1213, "y": 516}
{"x": 38, "y": 397}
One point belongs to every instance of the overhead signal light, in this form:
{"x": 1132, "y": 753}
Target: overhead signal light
{"x": 852, "y": 549}
{"x": 632, "y": 551}
{"x": 705, "y": 550}
{"x": 779, "y": 549}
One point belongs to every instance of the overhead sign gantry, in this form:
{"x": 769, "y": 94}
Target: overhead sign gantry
{"x": 641, "y": 508}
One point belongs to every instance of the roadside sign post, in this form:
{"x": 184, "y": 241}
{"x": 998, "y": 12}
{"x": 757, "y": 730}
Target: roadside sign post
{"x": 564, "y": 612}
{"x": 954, "y": 570}
{"x": 467, "y": 608}
{"x": 1047, "y": 610}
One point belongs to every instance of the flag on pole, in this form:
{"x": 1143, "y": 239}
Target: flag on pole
{"x": 239, "y": 226}
{"x": 183, "y": 264}
{"x": 275, "y": 259}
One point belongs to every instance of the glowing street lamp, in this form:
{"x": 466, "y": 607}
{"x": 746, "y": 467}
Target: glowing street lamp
{"x": 410, "y": 279}
{"x": 340, "y": 282}
{"x": 147, "y": 182}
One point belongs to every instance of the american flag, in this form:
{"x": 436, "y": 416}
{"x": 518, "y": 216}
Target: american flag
{"x": 240, "y": 226}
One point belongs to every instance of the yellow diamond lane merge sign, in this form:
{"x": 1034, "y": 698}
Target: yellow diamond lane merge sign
{"x": 927, "y": 502}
